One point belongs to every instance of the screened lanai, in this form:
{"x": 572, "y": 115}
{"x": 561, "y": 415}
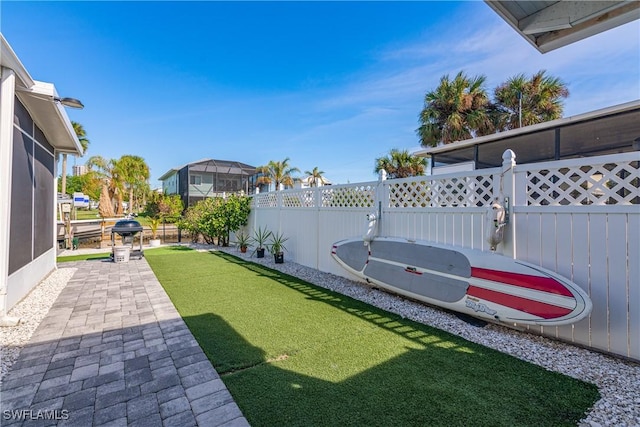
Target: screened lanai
{"x": 209, "y": 178}
{"x": 607, "y": 131}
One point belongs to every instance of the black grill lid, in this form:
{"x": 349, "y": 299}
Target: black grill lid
{"x": 127, "y": 226}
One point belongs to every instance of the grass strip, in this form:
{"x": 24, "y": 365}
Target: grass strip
{"x": 84, "y": 257}
{"x": 292, "y": 353}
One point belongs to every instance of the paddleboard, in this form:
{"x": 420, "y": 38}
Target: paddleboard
{"x": 482, "y": 284}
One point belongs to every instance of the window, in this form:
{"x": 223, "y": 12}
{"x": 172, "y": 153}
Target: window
{"x": 195, "y": 179}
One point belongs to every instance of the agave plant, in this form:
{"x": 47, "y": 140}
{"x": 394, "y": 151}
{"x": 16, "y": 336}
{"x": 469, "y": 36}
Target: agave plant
{"x": 260, "y": 236}
{"x": 276, "y": 247}
{"x": 276, "y": 243}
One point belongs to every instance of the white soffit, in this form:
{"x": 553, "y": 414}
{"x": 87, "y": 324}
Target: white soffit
{"x": 549, "y": 25}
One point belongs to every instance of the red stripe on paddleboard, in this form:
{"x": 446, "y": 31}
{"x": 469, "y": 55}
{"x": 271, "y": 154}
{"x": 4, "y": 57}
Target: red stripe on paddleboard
{"x": 540, "y": 309}
{"x": 544, "y": 284}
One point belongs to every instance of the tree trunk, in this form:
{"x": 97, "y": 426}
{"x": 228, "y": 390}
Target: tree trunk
{"x": 63, "y": 185}
{"x": 120, "y": 210}
{"x": 105, "y": 208}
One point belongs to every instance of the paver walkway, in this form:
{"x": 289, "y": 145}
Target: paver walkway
{"x": 113, "y": 351}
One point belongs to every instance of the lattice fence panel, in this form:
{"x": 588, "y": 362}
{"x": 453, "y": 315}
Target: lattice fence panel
{"x": 600, "y": 184}
{"x": 266, "y": 200}
{"x": 357, "y": 196}
{"x": 298, "y": 199}
{"x": 469, "y": 191}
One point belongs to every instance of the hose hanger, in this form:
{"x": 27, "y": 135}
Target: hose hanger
{"x": 496, "y": 219}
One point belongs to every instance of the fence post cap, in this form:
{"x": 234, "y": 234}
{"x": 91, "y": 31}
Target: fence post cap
{"x": 508, "y": 159}
{"x": 508, "y": 155}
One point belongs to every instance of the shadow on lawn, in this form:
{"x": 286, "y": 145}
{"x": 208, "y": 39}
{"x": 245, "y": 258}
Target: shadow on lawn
{"x": 388, "y": 321}
{"x": 403, "y": 390}
{"x": 424, "y": 386}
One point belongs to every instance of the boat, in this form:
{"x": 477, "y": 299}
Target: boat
{"x": 482, "y": 284}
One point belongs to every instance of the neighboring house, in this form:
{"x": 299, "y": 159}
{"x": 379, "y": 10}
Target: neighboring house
{"x": 34, "y": 130}
{"x": 607, "y": 131}
{"x": 209, "y": 178}
{"x": 256, "y": 186}
{"x": 305, "y": 182}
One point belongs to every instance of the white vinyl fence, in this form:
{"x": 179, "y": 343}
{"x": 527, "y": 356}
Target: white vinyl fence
{"x": 579, "y": 217}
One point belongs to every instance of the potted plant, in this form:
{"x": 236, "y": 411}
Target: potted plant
{"x": 277, "y": 248}
{"x": 153, "y": 224}
{"x": 243, "y": 240}
{"x": 260, "y": 236}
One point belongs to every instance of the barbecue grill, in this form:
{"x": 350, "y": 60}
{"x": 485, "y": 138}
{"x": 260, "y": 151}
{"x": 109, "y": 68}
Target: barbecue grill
{"x": 127, "y": 230}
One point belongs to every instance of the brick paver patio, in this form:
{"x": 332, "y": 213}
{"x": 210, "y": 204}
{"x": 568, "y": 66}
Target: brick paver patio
{"x": 113, "y": 351}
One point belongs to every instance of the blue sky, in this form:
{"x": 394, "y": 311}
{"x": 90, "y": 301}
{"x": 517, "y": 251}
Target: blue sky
{"x": 327, "y": 84}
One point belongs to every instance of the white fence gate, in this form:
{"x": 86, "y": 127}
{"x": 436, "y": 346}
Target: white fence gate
{"x": 579, "y": 218}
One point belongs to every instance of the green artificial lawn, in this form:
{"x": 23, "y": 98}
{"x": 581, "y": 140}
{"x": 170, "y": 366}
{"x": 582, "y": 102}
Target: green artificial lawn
{"x": 292, "y": 353}
{"x": 84, "y": 257}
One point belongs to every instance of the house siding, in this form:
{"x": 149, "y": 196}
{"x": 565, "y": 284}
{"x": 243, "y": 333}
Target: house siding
{"x": 170, "y": 184}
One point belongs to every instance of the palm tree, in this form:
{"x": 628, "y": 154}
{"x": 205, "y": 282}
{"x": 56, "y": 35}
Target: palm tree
{"x": 401, "y": 164}
{"x": 135, "y": 174}
{"x": 277, "y": 173}
{"x": 109, "y": 172}
{"x": 84, "y": 143}
{"x": 315, "y": 177}
{"x": 454, "y": 111}
{"x": 541, "y": 100}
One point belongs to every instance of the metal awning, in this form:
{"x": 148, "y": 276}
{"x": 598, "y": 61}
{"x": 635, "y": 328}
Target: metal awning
{"x": 39, "y": 99}
{"x": 549, "y": 25}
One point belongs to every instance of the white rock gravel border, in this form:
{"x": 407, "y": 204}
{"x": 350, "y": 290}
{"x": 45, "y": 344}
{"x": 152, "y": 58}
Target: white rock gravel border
{"x": 31, "y": 310}
{"x": 617, "y": 380}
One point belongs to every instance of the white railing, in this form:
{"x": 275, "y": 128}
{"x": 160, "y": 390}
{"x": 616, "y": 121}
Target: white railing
{"x": 579, "y": 217}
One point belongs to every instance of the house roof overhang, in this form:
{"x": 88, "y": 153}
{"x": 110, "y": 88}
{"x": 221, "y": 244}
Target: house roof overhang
{"x": 168, "y": 174}
{"x": 549, "y": 25}
{"x": 40, "y": 99}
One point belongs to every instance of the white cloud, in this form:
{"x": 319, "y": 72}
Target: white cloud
{"x": 377, "y": 109}
{"x": 600, "y": 71}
